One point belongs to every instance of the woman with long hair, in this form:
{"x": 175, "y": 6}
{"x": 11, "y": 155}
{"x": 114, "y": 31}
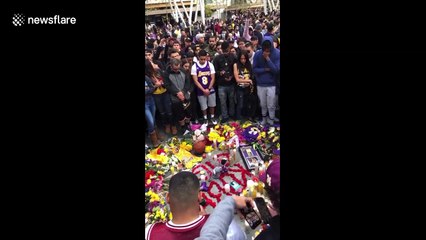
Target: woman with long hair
{"x": 150, "y": 111}
{"x": 243, "y": 74}
{"x": 161, "y": 96}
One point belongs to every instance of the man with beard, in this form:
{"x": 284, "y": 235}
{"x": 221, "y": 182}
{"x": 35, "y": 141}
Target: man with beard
{"x": 211, "y": 49}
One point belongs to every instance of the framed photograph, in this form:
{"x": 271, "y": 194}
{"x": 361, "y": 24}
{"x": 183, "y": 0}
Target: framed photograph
{"x": 250, "y": 156}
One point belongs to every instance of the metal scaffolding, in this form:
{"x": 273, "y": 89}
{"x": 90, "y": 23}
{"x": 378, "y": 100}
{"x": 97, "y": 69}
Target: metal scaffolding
{"x": 197, "y": 5}
{"x": 269, "y": 5}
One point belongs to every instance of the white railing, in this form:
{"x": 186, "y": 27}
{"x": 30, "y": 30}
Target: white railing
{"x": 161, "y": 1}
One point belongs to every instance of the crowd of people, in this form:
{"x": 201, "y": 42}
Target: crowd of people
{"x": 227, "y": 69}
{"x": 223, "y": 70}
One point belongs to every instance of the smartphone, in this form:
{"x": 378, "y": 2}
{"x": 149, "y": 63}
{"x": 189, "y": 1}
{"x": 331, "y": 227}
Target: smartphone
{"x": 235, "y": 185}
{"x": 263, "y": 209}
{"x": 251, "y": 216}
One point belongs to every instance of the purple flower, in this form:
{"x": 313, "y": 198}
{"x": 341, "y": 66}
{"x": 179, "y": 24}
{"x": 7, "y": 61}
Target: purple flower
{"x": 204, "y": 187}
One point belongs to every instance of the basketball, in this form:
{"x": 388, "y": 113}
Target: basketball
{"x": 199, "y": 147}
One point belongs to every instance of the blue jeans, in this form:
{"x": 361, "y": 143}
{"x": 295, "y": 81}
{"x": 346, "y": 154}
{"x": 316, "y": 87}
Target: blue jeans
{"x": 164, "y": 106}
{"x": 227, "y": 95}
{"x": 150, "y": 113}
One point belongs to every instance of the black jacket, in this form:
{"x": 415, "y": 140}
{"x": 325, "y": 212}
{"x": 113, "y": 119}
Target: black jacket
{"x": 273, "y": 232}
{"x": 224, "y": 62}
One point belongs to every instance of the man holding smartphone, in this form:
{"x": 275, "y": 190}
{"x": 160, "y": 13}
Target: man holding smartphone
{"x": 218, "y": 222}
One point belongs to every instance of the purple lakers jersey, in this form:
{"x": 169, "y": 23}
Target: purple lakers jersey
{"x": 204, "y": 78}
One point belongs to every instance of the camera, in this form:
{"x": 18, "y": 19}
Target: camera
{"x": 226, "y": 74}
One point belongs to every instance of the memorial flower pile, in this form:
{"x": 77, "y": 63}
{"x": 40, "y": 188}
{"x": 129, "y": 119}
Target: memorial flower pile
{"x": 177, "y": 154}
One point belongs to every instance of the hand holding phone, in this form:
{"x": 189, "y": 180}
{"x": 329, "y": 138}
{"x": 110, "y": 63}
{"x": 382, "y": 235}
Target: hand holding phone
{"x": 251, "y": 216}
{"x": 263, "y": 210}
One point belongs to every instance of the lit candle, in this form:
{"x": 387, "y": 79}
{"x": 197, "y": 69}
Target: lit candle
{"x": 227, "y": 188}
{"x": 261, "y": 170}
{"x": 215, "y": 157}
{"x": 250, "y": 183}
{"x": 203, "y": 178}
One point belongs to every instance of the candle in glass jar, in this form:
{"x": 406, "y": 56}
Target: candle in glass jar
{"x": 227, "y": 188}
{"x": 203, "y": 178}
{"x": 249, "y": 183}
{"x": 261, "y": 170}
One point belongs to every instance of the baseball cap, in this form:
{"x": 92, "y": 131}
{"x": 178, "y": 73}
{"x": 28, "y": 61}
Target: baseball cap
{"x": 188, "y": 39}
{"x": 271, "y": 176}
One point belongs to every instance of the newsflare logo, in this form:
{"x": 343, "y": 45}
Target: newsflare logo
{"x": 19, "y": 19}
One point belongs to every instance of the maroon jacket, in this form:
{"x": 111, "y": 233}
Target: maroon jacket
{"x": 170, "y": 231}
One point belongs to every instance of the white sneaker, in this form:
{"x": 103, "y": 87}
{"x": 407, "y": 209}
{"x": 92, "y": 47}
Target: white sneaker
{"x": 214, "y": 121}
{"x": 270, "y": 121}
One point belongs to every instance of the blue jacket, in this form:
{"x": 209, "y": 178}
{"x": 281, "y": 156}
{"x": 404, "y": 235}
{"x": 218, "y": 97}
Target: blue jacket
{"x": 266, "y": 78}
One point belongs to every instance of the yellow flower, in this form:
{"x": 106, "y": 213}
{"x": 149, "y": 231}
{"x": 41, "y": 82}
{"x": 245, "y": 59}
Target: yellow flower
{"x": 160, "y": 172}
{"x": 213, "y": 136}
{"x": 208, "y": 149}
{"x": 220, "y": 139}
{"x": 189, "y": 165}
{"x": 170, "y": 216}
{"x": 217, "y": 127}
{"x": 186, "y": 146}
{"x": 246, "y": 124}
{"x": 263, "y": 134}
{"x": 148, "y": 182}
